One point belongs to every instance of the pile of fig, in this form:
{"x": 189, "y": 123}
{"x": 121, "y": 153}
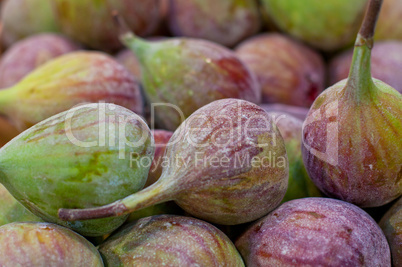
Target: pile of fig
{"x": 200, "y": 133}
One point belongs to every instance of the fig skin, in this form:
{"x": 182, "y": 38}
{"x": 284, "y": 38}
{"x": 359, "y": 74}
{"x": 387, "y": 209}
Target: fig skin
{"x": 66, "y": 81}
{"x": 99, "y": 32}
{"x": 289, "y": 72}
{"x": 45, "y": 244}
{"x": 388, "y": 27}
{"x": 297, "y": 112}
{"x": 69, "y": 161}
{"x": 227, "y": 22}
{"x": 128, "y": 59}
{"x": 326, "y": 25}
{"x": 386, "y": 64}
{"x": 391, "y": 224}
{"x": 26, "y": 55}
{"x": 168, "y": 240}
{"x": 315, "y": 232}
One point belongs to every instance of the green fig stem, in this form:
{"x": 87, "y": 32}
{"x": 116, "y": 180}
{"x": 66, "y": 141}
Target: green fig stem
{"x": 360, "y": 84}
{"x": 156, "y": 193}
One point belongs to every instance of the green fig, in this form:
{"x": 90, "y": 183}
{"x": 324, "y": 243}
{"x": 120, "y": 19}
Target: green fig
{"x": 79, "y": 158}
{"x": 352, "y": 136}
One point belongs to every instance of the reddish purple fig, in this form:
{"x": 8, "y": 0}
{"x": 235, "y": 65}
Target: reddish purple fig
{"x": 386, "y": 64}
{"x": 29, "y": 53}
{"x": 315, "y": 232}
{"x": 295, "y": 111}
{"x": 224, "y": 22}
{"x": 288, "y": 71}
{"x": 227, "y": 165}
{"x": 352, "y": 137}
{"x": 170, "y": 241}
{"x": 128, "y": 59}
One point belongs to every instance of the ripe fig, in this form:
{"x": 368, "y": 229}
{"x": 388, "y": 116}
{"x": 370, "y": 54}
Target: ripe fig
{"x": 298, "y": 112}
{"x": 79, "y": 158}
{"x": 352, "y": 136}
{"x": 29, "y": 53}
{"x": 326, "y": 25}
{"x": 181, "y": 75}
{"x": 391, "y": 224}
{"x": 227, "y": 165}
{"x": 388, "y": 27}
{"x": 128, "y": 59}
{"x": 386, "y": 64}
{"x": 90, "y": 22}
{"x": 66, "y": 81}
{"x": 223, "y": 22}
{"x": 170, "y": 241}
{"x": 315, "y": 232}
{"x": 45, "y": 244}
{"x": 288, "y": 71}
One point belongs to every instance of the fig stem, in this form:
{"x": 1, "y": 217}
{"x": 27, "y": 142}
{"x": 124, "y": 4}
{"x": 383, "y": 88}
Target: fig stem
{"x": 370, "y": 19}
{"x": 152, "y": 195}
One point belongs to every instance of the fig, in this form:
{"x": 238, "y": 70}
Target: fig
{"x": 66, "y": 81}
{"x": 326, "y": 25}
{"x": 315, "y": 232}
{"x": 25, "y": 55}
{"x": 300, "y": 184}
{"x": 295, "y": 111}
{"x": 181, "y": 75}
{"x": 288, "y": 71}
{"x": 170, "y": 241}
{"x": 22, "y": 18}
{"x": 388, "y": 27}
{"x": 79, "y": 158}
{"x": 227, "y": 23}
{"x": 45, "y": 244}
{"x": 128, "y": 59}
{"x": 98, "y": 32}
{"x": 7, "y": 131}
{"x": 352, "y": 136}
{"x": 391, "y": 224}
{"x": 227, "y": 165}
{"x": 12, "y": 211}
{"x": 386, "y": 64}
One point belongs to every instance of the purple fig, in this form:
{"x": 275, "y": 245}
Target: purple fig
{"x": 128, "y": 59}
{"x": 295, "y": 111}
{"x": 391, "y": 224}
{"x": 388, "y": 26}
{"x": 22, "y": 18}
{"x": 181, "y": 75}
{"x": 80, "y": 158}
{"x": 224, "y": 22}
{"x": 315, "y": 232}
{"x": 227, "y": 165}
{"x": 66, "y": 81}
{"x": 352, "y": 137}
{"x": 27, "y": 54}
{"x": 170, "y": 241}
{"x": 386, "y": 64}
{"x": 45, "y": 244}
{"x": 288, "y": 71}
{"x": 90, "y": 22}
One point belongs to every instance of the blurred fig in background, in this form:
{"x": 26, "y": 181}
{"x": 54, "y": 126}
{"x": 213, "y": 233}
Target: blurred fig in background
{"x": 25, "y": 55}
{"x": 226, "y": 22}
{"x": 386, "y": 64}
{"x": 388, "y": 25}
{"x": 327, "y": 25}
{"x": 391, "y": 224}
{"x": 127, "y": 58}
{"x": 90, "y": 22}
{"x": 66, "y": 81}
{"x": 170, "y": 241}
{"x": 22, "y": 18}
{"x": 298, "y": 112}
{"x": 45, "y": 244}
{"x": 288, "y": 71}
{"x": 7, "y": 131}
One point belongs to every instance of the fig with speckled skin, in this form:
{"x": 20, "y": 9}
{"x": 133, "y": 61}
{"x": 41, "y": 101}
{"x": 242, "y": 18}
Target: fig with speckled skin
{"x": 295, "y": 111}
{"x": 224, "y": 22}
{"x": 170, "y": 241}
{"x": 288, "y": 71}
{"x": 388, "y": 26}
{"x": 78, "y": 158}
{"x": 26, "y": 55}
{"x": 386, "y": 64}
{"x": 66, "y": 81}
{"x": 227, "y": 165}
{"x": 327, "y": 25}
{"x": 391, "y": 224}
{"x": 181, "y": 75}
{"x": 45, "y": 244}
{"x": 315, "y": 232}
{"x": 90, "y": 22}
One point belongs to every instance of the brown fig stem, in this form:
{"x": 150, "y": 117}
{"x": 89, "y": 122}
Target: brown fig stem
{"x": 370, "y": 19}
